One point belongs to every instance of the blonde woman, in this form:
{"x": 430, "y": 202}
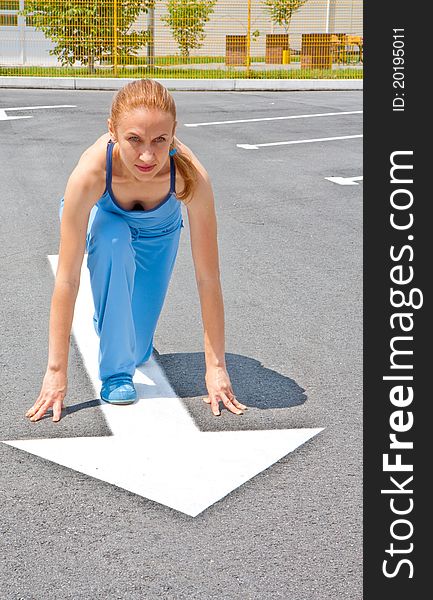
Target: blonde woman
{"x": 122, "y": 204}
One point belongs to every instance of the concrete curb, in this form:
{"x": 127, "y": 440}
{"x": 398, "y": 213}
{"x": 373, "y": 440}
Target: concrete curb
{"x": 101, "y": 83}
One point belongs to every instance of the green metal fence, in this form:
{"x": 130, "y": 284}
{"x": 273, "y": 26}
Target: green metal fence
{"x": 182, "y": 38}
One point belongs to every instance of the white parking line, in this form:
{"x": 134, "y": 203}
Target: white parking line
{"x": 5, "y": 117}
{"x": 330, "y": 139}
{"x": 38, "y": 107}
{"x": 331, "y": 114}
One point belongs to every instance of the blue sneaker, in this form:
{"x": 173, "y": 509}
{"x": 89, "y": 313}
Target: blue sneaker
{"x": 118, "y": 389}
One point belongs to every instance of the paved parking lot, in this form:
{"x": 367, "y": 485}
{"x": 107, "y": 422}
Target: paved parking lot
{"x": 291, "y": 262}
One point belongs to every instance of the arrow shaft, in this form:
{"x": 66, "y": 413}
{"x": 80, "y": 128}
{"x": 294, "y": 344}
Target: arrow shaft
{"x": 159, "y": 406}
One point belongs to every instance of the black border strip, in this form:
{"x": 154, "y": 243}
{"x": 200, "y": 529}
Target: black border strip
{"x": 397, "y": 538}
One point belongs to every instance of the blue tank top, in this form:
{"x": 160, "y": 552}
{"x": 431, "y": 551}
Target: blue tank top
{"x": 162, "y": 219}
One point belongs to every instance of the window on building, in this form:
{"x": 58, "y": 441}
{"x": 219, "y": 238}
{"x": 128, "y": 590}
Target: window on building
{"x": 7, "y": 17}
{"x": 8, "y": 20}
{"x": 9, "y": 4}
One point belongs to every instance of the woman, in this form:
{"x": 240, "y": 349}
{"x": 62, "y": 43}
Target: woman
{"x": 117, "y": 208}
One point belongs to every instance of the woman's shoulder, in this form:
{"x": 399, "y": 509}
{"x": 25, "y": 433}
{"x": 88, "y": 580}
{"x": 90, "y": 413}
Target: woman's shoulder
{"x": 90, "y": 168}
{"x": 94, "y": 157}
{"x": 88, "y": 176}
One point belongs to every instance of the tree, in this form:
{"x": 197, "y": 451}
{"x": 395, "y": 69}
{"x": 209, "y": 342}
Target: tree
{"x": 88, "y": 30}
{"x": 186, "y": 19}
{"x": 281, "y": 11}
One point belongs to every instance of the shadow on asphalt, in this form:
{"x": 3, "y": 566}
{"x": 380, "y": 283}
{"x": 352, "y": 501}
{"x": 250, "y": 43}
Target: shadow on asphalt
{"x": 81, "y": 406}
{"x": 254, "y": 385}
{"x": 69, "y": 410}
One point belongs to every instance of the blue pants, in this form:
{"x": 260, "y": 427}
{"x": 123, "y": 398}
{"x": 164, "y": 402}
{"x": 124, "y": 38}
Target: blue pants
{"x": 130, "y": 271}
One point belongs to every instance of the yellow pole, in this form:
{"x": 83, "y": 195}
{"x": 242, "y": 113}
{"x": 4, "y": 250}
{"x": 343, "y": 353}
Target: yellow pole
{"x": 249, "y": 38}
{"x": 115, "y": 37}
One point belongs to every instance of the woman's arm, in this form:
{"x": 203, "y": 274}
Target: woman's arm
{"x": 204, "y": 247}
{"x": 80, "y": 195}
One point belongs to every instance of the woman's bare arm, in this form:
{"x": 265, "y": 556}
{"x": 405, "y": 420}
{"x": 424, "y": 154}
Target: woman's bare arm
{"x": 204, "y": 247}
{"x": 84, "y": 187}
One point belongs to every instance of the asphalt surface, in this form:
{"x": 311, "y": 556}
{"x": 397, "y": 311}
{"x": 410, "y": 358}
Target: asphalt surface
{"x": 291, "y": 263}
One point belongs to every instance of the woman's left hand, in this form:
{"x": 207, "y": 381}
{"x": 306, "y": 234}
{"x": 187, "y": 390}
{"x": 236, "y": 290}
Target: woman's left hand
{"x": 219, "y": 389}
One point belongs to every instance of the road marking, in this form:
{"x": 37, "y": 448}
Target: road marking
{"x": 5, "y": 117}
{"x": 330, "y": 139}
{"x": 331, "y": 114}
{"x": 345, "y": 180}
{"x": 156, "y": 450}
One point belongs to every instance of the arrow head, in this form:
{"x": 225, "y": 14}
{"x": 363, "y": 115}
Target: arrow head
{"x": 345, "y": 180}
{"x": 187, "y": 472}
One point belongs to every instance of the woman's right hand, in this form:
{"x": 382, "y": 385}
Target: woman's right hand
{"x": 52, "y": 394}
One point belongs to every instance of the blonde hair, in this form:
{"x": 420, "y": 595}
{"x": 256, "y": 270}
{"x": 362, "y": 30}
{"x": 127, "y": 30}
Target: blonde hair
{"x": 150, "y": 94}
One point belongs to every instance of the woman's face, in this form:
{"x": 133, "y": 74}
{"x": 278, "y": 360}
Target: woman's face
{"x": 144, "y": 138}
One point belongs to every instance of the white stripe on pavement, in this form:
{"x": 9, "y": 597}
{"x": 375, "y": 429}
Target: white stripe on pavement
{"x": 330, "y": 114}
{"x": 5, "y": 117}
{"x": 330, "y": 139}
{"x": 38, "y": 107}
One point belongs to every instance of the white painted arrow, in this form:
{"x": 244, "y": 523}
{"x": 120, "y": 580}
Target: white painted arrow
{"x": 345, "y": 180}
{"x": 156, "y": 449}
{"x": 5, "y": 117}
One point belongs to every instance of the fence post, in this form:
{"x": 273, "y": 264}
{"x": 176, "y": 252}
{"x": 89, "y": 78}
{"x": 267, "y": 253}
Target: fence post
{"x": 151, "y": 40}
{"x": 22, "y": 30}
{"x": 249, "y": 38}
{"x": 115, "y": 37}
